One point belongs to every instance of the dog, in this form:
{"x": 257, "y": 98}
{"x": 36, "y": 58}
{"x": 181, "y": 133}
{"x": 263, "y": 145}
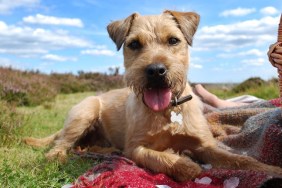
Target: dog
{"x": 157, "y": 117}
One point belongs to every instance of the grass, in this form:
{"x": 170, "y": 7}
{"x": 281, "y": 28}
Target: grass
{"x": 264, "y": 92}
{"x": 24, "y": 166}
{"x": 253, "y": 86}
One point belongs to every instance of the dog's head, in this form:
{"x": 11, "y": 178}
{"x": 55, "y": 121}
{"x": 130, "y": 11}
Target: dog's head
{"x": 155, "y": 52}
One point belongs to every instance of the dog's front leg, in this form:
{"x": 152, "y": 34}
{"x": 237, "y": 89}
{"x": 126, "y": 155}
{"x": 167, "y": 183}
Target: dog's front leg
{"x": 180, "y": 168}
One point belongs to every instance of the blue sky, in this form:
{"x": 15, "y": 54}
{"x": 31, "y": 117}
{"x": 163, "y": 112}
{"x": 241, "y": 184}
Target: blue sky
{"x": 67, "y": 36}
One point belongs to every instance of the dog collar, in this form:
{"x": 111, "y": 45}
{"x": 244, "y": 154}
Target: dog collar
{"x": 176, "y": 102}
{"x": 176, "y": 116}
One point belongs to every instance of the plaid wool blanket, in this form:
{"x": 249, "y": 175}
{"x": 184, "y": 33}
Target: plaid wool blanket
{"x": 254, "y": 130}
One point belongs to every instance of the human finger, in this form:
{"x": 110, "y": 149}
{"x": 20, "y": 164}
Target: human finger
{"x": 277, "y": 61}
{"x": 278, "y": 49}
{"x": 276, "y": 55}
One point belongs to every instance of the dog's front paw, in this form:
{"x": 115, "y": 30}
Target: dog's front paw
{"x": 275, "y": 171}
{"x": 184, "y": 169}
{"x": 61, "y": 155}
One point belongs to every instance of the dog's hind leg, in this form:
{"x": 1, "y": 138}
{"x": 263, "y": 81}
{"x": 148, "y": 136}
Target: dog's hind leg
{"x": 220, "y": 158}
{"x": 80, "y": 118}
{"x": 179, "y": 167}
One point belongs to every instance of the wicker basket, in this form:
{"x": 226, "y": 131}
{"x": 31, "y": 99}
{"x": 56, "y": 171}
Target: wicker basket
{"x": 280, "y": 30}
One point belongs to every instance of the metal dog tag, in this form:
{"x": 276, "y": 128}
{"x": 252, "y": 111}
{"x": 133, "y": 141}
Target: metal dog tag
{"x": 176, "y": 117}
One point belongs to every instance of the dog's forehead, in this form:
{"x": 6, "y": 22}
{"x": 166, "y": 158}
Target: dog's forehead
{"x": 154, "y": 24}
{"x": 153, "y": 20}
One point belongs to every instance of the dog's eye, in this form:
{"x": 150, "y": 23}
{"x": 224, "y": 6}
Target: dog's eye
{"x": 134, "y": 45}
{"x": 173, "y": 41}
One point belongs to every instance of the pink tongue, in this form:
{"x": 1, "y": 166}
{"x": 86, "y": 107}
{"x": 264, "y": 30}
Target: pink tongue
{"x": 157, "y": 99}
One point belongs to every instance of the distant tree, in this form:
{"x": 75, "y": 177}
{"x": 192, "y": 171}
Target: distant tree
{"x": 114, "y": 70}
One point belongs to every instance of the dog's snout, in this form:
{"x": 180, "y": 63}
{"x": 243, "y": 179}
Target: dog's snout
{"x": 156, "y": 70}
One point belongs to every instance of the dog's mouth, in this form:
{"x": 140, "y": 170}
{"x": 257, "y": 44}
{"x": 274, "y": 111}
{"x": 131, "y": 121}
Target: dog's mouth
{"x": 157, "y": 99}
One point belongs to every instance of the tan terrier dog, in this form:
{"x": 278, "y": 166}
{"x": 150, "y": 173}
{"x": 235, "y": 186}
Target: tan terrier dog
{"x": 152, "y": 120}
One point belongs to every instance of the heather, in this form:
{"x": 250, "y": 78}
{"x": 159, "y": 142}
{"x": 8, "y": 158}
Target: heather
{"x": 31, "y": 88}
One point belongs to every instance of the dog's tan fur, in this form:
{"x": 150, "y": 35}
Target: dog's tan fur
{"x": 121, "y": 119}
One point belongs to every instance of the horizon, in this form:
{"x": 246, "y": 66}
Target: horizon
{"x": 230, "y": 45}
{"x": 111, "y": 73}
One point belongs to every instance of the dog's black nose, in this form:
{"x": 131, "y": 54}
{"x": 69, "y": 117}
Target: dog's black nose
{"x": 156, "y": 70}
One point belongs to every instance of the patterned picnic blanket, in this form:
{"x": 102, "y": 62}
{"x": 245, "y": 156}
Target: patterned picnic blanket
{"x": 254, "y": 130}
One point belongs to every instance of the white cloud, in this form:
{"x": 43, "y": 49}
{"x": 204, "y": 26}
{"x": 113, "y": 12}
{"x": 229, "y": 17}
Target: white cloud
{"x": 101, "y": 47}
{"x": 22, "y": 51}
{"x": 27, "y": 41}
{"x": 4, "y": 62}
{"x": 237, "y": 12}
{"x": 254, "y": 62}
{"x": 251, "y": 52}
{"x": 195, "y": 61}
{"x": 196, "y": 66}
{"x": 269, "y": 11}
{"x": 6, "y": 6}
{"x": 256, "y": 32}
{"x": 51, "y": 20}
{"x": 102, "y": 51}
{"x": 53, "y": 57}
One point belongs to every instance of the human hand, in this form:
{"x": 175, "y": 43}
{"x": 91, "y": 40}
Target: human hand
{"x": 276, "y": 55}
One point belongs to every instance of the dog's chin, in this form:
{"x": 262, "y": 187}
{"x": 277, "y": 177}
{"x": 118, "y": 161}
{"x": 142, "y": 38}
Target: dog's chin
{"x": 157, "y": 99}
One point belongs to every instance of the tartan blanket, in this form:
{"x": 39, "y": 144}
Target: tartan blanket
{"x": 254, "y": 130}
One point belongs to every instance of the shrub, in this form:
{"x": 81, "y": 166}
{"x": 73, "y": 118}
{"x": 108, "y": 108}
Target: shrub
{"x": 257, "y": 87}
{"x": 10, "y": 123}
{"x": 25, "y": 88}
{"x": 249, "y": 83}
{"x": 13, "y": 95}
{"x": 101, "y": 82}
{"x": 30, "y": 88}
{"x": 69, "y": 83}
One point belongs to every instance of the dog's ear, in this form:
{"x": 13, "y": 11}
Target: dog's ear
{"x": 188, "y": 23}
{"x": 118, "y": 30}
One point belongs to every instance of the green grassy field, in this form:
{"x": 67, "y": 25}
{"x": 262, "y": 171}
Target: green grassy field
{"x": 24, "y": 166}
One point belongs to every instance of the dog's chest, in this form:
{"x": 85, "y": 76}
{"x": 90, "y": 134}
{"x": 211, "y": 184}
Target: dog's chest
{"x": 173, "y": 121}
{"x": 175, "y": 116}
